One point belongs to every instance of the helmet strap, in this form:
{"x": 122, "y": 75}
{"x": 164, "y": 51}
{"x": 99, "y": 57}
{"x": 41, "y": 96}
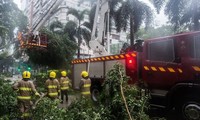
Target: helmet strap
{"x": 25, "y": 79}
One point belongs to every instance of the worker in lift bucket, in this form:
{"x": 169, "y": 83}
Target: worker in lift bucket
{"x": 25, "y": 88}
{"x": 85, "y": 84}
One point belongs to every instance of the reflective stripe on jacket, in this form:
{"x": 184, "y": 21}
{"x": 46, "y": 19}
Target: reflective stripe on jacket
{"x": 64, "y": 83}
{"x": 52, "y": 87}
{"x": 24, "y": 97}
{"x": 25, "y": 90}
{"x": 85, "y": 85}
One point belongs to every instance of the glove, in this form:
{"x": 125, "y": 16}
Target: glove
{"x": 37, "y": 94}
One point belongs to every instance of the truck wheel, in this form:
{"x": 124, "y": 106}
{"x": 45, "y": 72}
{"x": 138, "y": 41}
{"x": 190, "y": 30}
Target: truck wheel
{"x": 95, "y": 94}
{"x": 190, "y": 109}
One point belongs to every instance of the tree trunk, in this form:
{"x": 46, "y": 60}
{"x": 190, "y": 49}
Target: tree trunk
{"x": 131, "y": 30}
{"x": 79, "y": 39}
{"x": 79, "y": 44}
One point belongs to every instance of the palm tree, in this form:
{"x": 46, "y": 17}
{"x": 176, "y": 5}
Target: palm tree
{"x": 56, "y": 27}
{"x": 181, "y": 12}
{"x": 132, "y": 13}
{"x": 89, "y": 24}
{"x": 77, "y": 29}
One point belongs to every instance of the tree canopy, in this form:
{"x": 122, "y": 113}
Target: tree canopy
{"x": 181, "y": 13}
{"x": 58, "y": 54}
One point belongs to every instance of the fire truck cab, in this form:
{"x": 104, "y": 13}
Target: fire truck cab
{"x": 170, "y": 69}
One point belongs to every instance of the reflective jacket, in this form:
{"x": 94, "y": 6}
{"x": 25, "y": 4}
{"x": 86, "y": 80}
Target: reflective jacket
{"x": 64, "y": 83}
{"x": 25, "y": 90}
{"x": 85, "y": 86}
{"x": 53, "y": 88}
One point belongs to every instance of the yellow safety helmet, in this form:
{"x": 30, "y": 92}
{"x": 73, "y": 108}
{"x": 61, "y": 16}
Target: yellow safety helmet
{"x": 52, "y": 74}
{"x": 84, "y": 74}
{"x": 26, "y": 74}
{"x": 64, "y": 73}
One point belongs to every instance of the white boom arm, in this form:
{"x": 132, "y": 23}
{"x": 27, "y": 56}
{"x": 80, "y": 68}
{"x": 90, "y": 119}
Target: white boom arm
{"x": 96, "y": 42}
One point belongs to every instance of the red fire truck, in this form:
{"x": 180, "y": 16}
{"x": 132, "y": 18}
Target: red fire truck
{"x": 168, "y": 66}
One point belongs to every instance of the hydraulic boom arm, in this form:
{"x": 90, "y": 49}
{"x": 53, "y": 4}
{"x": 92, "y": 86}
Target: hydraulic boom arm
{"x": 99, "y": 26}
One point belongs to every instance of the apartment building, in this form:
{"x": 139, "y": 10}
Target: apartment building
{"x": 37, "y": 9}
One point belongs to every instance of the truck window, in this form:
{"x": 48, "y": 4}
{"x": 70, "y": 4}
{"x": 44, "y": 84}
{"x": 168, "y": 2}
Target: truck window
{"x": 161, "y": 51}
{"x": 196, "y": 47}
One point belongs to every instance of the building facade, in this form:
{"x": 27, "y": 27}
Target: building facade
{"x": 36, "y": 10}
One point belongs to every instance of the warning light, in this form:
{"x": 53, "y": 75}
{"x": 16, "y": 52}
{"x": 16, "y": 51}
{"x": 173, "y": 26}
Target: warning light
{"x": 130, "y": 61}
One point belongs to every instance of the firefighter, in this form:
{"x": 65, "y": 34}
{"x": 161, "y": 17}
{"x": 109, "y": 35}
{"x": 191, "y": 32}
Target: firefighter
{"x": 85, "y": 84}
{"x": 52, "y": 86}
{"x": 25, "y": 88}
{"x": 64, "y": 86}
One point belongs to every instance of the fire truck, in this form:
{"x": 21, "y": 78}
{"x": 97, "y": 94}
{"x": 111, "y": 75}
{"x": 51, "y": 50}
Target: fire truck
{"x": 168, "y": 68}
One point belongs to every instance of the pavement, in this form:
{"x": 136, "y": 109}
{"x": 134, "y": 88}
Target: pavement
{"x": 71, "y": 98}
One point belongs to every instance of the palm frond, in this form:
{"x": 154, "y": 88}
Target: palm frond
{"x": 86, "y": 34}
{"x": 158, "y": 4}
{"x": 82, "y": 14}
{"x": 73, "y": 12}
{"x": 71, "y": 29}
{"x": 56, "y": 24}
{"x": 148, "y": 15}
{"x": 174, "y": 9}
{"x": 88, "y": 25}
{"x": 122, "y": 16}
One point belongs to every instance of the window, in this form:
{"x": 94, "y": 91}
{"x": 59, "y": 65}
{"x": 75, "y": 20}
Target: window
{"x": 161, "y": 51}
{"x": 196, "y": 46}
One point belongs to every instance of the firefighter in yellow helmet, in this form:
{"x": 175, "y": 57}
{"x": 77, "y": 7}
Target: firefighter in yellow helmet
{"x": 52, "y": 86}
{"x": 25, "y": 88}
{"x": 85, "y": 84}
{"x": 64, "y": 85}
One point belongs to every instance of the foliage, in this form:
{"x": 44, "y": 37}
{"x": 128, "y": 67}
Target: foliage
{"x": 47, "y": 109}
{"x": 84, "y": 109}
{"x": 8, "y": 101}
{"x": 58, "y": 54}
{"x": 10, "y": 18}
{"x": 111, "y": 105}
{"x": 132, "y": 14}
{"x": 137, "y": 105}
{"x": 181, "y": 13}
{"x": 77, "y": 29}
{"x": 56, "y": 27}
{"x": 164, "y": 30}
{"x": 40, "y": 81}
